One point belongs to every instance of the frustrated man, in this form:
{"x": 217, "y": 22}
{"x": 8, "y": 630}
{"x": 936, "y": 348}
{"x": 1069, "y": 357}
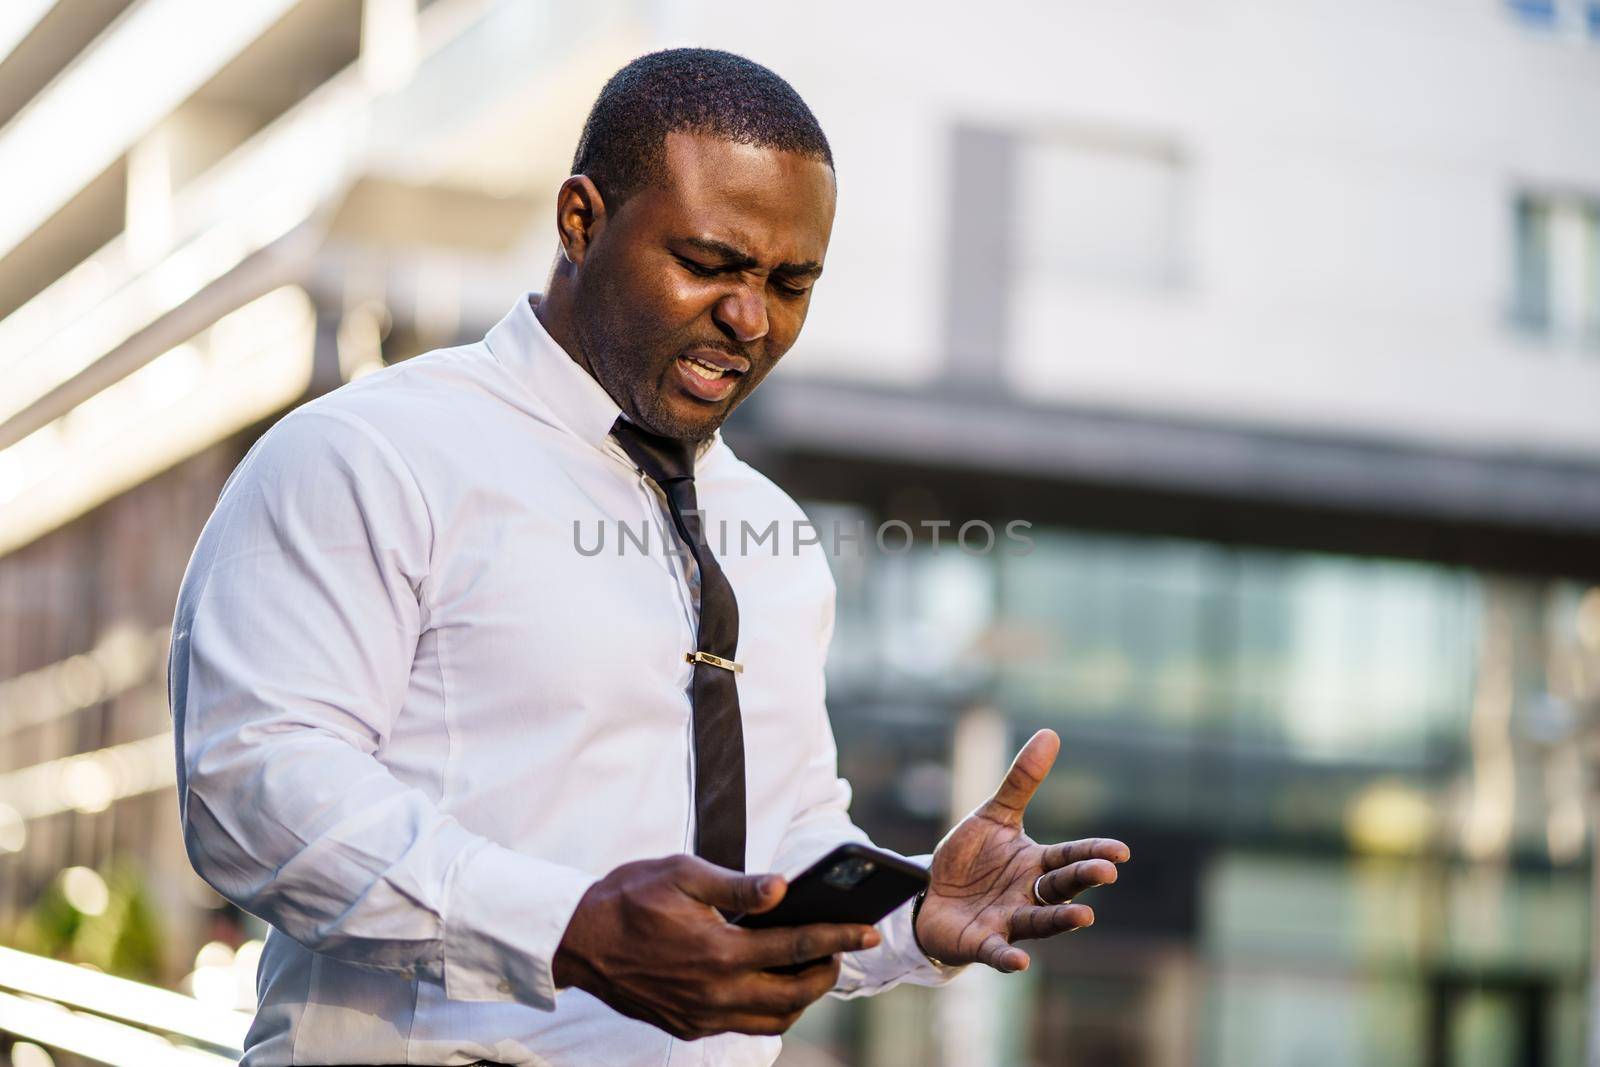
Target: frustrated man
{"x": 495, "y": 791}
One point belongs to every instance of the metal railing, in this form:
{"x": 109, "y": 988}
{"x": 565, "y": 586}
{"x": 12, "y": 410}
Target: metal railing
{"x": 111, "y": 1020}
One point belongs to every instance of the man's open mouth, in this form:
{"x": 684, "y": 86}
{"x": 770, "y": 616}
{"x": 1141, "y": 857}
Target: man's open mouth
{"x": 709, "y": 374}
{"x": 709, "y": 371}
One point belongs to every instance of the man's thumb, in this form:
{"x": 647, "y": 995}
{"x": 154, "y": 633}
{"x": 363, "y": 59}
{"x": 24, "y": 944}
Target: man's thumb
{"x": 737, "y": 894}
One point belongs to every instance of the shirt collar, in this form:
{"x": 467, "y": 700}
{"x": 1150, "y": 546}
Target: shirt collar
{"x": 570, "y": 394}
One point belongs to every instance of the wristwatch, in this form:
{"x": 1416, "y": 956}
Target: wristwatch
{"x": 916, "y": 909}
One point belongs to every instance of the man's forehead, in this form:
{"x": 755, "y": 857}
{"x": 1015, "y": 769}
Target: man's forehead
{"x": 748, "y": 186}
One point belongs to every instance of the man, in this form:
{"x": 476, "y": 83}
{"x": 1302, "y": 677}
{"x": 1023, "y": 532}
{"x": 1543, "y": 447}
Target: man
{"x": 495, "y": 794}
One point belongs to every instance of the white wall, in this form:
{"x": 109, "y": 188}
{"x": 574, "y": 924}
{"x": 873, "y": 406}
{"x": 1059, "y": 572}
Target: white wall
{"x": 1350, "y": 166}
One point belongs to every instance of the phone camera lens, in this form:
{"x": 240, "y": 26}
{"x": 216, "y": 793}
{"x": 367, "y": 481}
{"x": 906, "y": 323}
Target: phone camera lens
{"x": 847, "y": 874}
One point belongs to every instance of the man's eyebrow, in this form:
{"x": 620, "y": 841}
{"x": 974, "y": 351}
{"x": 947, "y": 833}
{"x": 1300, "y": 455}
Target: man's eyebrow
{"x": 736, "y": 259}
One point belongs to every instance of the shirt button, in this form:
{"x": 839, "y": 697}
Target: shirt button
{"x": 504, "y": 986}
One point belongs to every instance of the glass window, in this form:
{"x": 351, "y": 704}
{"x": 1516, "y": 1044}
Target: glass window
{"x": 1557, "y": 285}
{"x": 1531, "y": 303}
{"x": 1325, "y": 656}
{"x": 1541, "y": 13}
{"x": 1266, "y": 691}
{"x": 1112, "y": 629}
{"x": 1570, "y": 16}
{"x": 1354, "y": 783}
{"x": 1483, "y": 1029}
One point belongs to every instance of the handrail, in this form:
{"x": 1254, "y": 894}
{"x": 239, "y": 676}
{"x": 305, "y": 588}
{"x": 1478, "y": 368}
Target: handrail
{"x": 113, "y": 998}
{"x": 113, "y": 1043}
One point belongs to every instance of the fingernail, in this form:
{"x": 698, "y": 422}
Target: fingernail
{"x": 769, "y": 885}
{"x": 870, "y": 939}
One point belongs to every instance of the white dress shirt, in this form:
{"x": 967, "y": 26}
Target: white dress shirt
{"x": 415, "y": 722}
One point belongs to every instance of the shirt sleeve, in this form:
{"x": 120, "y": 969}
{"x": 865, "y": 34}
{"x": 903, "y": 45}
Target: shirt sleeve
{"x": 820, "y": 824}
{"x": 293, "y": 640}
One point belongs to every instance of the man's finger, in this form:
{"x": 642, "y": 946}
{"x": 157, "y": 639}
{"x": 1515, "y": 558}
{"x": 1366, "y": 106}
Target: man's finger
{"x": 767, "y": 992}
{"x": 1104, "y": 848}
{"x": 1048, "y": 921}
{"x": 757, "y": 992}
{"x": 1064, "y": 883}
{"x": 1027, "y": 771}
{"x": 733, "y": 893}
{"x": 1000, "y": 954}
{"x": 785, "y": 946}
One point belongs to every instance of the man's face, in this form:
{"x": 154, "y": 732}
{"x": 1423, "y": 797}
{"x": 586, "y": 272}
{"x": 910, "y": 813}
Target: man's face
{"x": 690, "y": 293}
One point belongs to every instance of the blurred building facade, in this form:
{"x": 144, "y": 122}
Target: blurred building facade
{"x": 1278, "y": 324}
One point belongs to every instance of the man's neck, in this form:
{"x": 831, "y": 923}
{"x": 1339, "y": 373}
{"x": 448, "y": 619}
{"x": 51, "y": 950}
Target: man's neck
{"x": 553, "y": 309}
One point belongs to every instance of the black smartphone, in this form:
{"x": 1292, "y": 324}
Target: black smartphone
{"x": 851, "y": 884}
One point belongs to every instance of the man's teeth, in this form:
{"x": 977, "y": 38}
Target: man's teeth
{"x": 705, "y": 370}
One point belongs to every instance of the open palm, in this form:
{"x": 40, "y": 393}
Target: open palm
{"x": 981, "y": 890}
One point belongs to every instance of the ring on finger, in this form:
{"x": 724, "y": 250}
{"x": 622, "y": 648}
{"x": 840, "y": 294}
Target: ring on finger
{"x": 1038, "y": 897}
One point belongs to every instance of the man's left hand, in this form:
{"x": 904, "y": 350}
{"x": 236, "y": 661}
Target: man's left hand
{"x": 981, "y": 890}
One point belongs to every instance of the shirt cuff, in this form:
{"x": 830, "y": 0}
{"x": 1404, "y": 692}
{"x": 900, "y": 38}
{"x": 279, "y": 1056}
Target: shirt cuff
{"x": 896, "y": 959}
{"x": 508, "y": 913}
{"x": 919, "y": 967}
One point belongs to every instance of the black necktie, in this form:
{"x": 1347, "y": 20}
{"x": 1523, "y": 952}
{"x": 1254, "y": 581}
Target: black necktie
{"x": 719, "y": 805}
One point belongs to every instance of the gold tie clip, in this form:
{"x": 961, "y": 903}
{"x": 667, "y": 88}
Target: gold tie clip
{"x": 715, "y": 661}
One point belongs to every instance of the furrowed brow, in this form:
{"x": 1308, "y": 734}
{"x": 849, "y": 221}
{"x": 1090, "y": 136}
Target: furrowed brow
{"x": 809, "y": 269}
{"x": 730, "y": 256}
{"x": 736, "y": 259}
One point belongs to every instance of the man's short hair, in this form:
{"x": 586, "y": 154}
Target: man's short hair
{"x": 692, "y": 90}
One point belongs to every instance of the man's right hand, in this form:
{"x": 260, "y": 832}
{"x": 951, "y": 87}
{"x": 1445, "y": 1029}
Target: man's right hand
{"x": 648, "y": 940}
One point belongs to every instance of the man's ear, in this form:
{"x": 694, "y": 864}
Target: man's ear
{"x": 580, "y": 216}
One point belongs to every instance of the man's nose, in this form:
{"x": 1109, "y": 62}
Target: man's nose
{"x": 743, "y": 314}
